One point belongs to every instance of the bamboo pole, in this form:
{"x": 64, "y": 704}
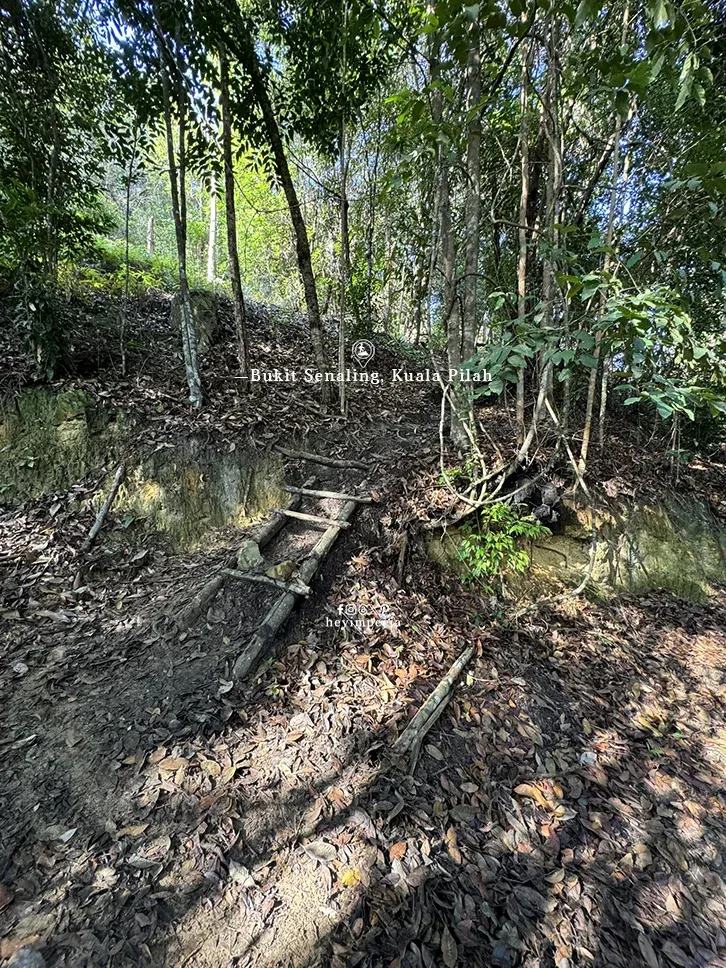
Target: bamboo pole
{"x": 293, "y": 586}
{"x": 105, "y": 508}
{"x": 409, "y": 742}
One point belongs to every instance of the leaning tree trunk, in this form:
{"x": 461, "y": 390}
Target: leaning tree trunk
{"x": 302, "y": 243}
{"x": 177, "y": 174}
{"x": 240, "y": 316}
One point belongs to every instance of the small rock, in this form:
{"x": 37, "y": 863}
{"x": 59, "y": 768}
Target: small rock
{"x": 283, "y": 571}
{"x": 20, "y": 668}
{"x": 27, "y": 958}
{"x": 249, "y": 555}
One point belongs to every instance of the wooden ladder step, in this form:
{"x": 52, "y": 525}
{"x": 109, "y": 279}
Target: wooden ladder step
{"x": 336, "y": 495}
{"x": 295, "y": 586}
{"x": 312, "y": 518}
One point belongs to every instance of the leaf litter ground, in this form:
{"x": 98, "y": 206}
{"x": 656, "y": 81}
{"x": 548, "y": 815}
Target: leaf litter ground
{"x": 567, "y": 809}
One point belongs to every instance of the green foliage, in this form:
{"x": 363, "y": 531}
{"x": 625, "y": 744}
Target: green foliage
{"x": 103, "y": 269}
{"x": 493, "y": 547}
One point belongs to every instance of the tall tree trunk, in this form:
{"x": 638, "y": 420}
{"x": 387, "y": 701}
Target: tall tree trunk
{"x": 302, "y": 243}
{"x": 592, "y": 383}
{"x": 551, "y": 110}
{"x": 240, "y": 316}
{"x": 523, "y": 208}
{"x": 177, "y": 175}
{"x": 127, "y": 264}
{"x": 344, "y": 238}
{"x": 472, "y": 214}
{"x": 451, "y": 318}
{"x": 212, "y": 241}
{"x": 370, "y": 228}
{"x": 344, "y": 261}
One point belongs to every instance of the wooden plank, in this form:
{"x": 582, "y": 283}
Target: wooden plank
{"x": 312, "y": 518}
{"x": 291, "y": 586}
{"x": 336, "y": 495}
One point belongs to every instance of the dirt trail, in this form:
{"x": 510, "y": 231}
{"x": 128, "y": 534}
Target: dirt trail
{"x": 567, "y": 809}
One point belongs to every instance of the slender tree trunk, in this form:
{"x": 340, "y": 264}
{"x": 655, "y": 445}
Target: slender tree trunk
{"x": 240, "y": 316}
{"x": 370, "y": 228}
{"x": 177, "y": 175}
{"x": 127, "y": 266}
{"x": 344, "y": 261}
{"x": 523, "y": 208}
{"x": 302, "y": 242}
{"x": 592, "y": 383}
{"x": 212, "y": 243}
{"x": 150, "y": 236}
{"x": 451, "y": 318}
{"x": 473, "y": 198}
{"x": 607, "y": 362}
{"x": 472, "y": 215}
{"x": 344, "y": 239}
{"x": 551, "y": 110}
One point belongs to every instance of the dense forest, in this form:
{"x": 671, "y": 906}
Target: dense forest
{"x": 363, "y": 483}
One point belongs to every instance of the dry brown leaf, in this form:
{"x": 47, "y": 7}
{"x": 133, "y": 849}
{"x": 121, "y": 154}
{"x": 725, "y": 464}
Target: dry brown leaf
{"x": 398, "y": 850}
{"x": 648, "y": 951}
{"x": 173, "y": 763}
{"x": 449, "y": 951}
{"x": 531, "y": 791}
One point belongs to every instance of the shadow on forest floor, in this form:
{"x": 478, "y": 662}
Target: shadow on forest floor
{"x": 567, "y": 809}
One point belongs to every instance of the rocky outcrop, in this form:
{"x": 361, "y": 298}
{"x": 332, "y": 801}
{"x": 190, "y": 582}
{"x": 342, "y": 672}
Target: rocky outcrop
{"x": 677, "y": 544}
{"x": 186, "y": 487}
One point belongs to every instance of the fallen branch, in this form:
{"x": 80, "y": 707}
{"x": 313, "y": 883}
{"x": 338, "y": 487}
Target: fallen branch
{"x": 208, "y": 592}
{"x": 313, "y": 518}
{"x": 336, "y": 495}
{"x": 280, "y": 611}
{"x": 106, "y": 507}
{"x": 319, "y": 459}
{"x": 408, "y": 744}
{"x": 292, "y": 586}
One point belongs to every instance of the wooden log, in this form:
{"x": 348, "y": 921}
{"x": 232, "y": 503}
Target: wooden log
{"x": 280, "y": 611}
{"x": 105, "y": 508}
{"x": 208, "y": 592}
{"x": 319, "y": 458}
{"x": 313, "y": 518}
{"x": 336, "y": 495}
{"x": 286, "y": 586}
{"x": 408, "y": 744}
